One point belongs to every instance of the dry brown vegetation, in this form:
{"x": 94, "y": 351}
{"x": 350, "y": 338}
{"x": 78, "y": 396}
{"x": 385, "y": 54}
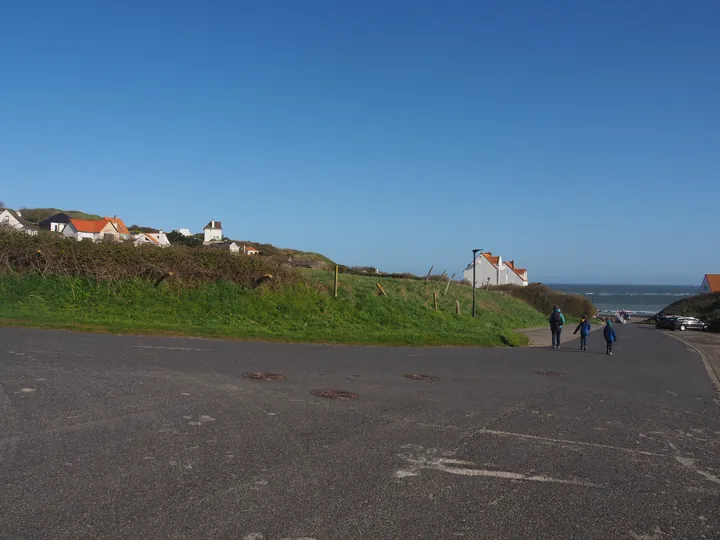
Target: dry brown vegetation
{"x": 48, "y": 254}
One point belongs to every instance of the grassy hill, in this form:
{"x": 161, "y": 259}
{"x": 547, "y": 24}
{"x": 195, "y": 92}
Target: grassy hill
{"x": 35, "y": 215}
{"x": 48, "y": 281}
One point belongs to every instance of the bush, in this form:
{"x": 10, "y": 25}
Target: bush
{"x": 543, "y": 298}
{"x": 48, "y": 254}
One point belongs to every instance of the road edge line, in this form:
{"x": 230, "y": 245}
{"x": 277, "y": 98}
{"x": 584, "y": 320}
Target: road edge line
{"x": 709, "y": 367}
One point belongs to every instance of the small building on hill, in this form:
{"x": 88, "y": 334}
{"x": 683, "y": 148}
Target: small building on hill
{"x": 14, "y": 220}
{"x": 711, "y": 284}
{"x": 232, "y": 247}
{"x": 158, "y": 239}
{"x": 249, "y": 250}
{"x": 120, "y": 226}
{"x": 213, "y": 232}
{"x": 491, "y": 270}
{"x": 55, "y": 223}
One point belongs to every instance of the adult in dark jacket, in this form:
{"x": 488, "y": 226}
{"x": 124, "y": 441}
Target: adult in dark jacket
{"x": 584, "y": 329}
{"x": 557, "y": 320}
{"x": 609, "y": 335}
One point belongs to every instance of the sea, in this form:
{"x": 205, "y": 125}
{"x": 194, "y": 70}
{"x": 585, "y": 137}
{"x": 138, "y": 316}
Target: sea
{"x": 639, "y": 299}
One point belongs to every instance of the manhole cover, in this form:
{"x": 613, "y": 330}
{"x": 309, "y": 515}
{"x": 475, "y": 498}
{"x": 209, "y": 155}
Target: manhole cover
{"x": 550, "y": 373}
{"x": 334, "y": 394}
{"x": 421, "y": 377}
{"x": 263, "y": 376}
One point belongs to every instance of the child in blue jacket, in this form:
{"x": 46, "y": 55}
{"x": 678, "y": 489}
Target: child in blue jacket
{"x": 609, "y": 334}
{"x": 584, "y": 329}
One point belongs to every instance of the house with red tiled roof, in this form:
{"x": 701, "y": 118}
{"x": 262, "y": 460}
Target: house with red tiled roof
{"x": 94, "y": 230}
{"x": 490, "y": 269}
{"x": 711, "y": 284}
{"x": 249, "y": 250}
{"x": 119, "y": 225}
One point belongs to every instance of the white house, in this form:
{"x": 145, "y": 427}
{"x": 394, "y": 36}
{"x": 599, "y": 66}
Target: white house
{"x": 91, "y": 229}
{"x": 230, "y": 246}
{"x": 14, "y": 220}
{"x": 184, "y": 232}
{"x": 213, "y": 232}
{"x": 249, "y": 250}
{"x": 491, "y": 270}
{"x": 156, "y": 239}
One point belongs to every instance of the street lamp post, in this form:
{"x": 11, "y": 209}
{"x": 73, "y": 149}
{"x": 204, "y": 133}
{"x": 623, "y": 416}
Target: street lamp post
{"x": 475, "y": 251}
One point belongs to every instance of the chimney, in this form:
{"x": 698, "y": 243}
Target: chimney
{"x": 212, "y": 224}
{"x": 499, "y": 261}
{"x": 512, "y": 263}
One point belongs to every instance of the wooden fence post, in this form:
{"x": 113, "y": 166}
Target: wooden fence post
{"x": 435, "y": 298}
{"x": 457, "y": 306}
{"x": 381, "y": 289}
{"x": 429, "y": 272}
{"x": 335, "y": 289}
{"x": 448, "y": 284}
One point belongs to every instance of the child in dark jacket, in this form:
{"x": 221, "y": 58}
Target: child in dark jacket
{"x": 584, "y": 329}
{"x": 609, "y": 334}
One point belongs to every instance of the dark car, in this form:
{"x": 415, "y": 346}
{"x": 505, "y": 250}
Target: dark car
{"x": 673, "y": 322}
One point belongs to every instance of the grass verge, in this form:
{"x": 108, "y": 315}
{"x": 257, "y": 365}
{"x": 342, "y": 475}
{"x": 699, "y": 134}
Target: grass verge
{"x": 302, "y": 312}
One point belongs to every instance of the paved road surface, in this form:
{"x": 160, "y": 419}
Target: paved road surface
{"x": 136, "y": 437}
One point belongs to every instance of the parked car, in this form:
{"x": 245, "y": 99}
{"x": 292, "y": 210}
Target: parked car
{"x": 674, "y": 322}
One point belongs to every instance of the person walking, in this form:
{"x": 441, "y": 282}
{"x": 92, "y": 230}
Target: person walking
{"x": 557, "y": 320}
{"x": 609, "y": 335}
{"x": 584, "y": 329}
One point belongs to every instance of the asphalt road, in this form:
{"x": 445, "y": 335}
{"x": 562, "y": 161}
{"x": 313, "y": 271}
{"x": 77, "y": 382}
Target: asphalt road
{"x": 138, "y": 437}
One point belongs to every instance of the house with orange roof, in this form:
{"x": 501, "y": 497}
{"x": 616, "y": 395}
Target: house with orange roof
{"x": 710, "y": 284}
{"x": 94, "y": 230}
{"x": 120, "y": 226}
{"x": 492, "y": 270}
{"x": 249, "y": 250}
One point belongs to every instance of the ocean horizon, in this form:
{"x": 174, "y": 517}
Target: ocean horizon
{"x": 631, "y": 298}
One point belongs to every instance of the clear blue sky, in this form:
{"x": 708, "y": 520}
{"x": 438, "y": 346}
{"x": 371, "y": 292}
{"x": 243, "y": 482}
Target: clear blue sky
{"x": 581, "y": 139}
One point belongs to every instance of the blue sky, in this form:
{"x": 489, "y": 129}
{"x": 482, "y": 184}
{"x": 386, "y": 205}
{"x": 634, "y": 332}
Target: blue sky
{"x": 581, "y": 139}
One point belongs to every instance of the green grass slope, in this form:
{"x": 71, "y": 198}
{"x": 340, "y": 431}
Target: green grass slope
{"x": 50, "y": 281}
{"x": 304, "y": 312}
{"x": 38, "y": 214}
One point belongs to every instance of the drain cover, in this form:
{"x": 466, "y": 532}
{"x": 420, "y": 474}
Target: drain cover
{"x": 335, "y": 394}
{"x": 263, "y": 376}
{"x": 550, "y": 373}
{"x": 421, "y": 377}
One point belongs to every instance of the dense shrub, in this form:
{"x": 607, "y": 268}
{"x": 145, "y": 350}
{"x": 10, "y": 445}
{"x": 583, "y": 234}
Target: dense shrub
{"x": 49, "y": 254}
{"x": 543, "y": 298}
{"x": 703, "y": 306}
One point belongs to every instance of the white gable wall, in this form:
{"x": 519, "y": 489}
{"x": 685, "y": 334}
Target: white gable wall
{"x": 705, "y": 287}
{"x": 8, "y": 220}
{"x": 486, "y": 272}
{"x": 213, "y": 235}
